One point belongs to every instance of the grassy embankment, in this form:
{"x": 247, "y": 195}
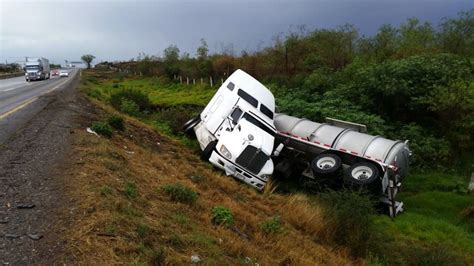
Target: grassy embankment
{"x": 131, "y": 205}
{"x": 147, "y": 198}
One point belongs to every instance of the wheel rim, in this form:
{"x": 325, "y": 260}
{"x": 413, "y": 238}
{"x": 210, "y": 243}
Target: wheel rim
{"x": 326, "y": 163}
{"x": 362, "y": 172}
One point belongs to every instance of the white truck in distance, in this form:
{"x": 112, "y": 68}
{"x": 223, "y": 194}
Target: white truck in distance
{"x": 37, "y": 69}
{"x": 239, "y": 133}
{"x": 236, "y": 131}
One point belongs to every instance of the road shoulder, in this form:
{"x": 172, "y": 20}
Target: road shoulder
{"x": 34, "y": 208}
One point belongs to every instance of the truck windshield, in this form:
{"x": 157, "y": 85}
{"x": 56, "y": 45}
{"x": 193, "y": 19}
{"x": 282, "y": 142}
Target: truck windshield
{"x": 259, "y": 124}
{"x": 31, "y": 67}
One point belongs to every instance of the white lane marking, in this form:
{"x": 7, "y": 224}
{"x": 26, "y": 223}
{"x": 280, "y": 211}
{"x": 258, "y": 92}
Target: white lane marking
{"x": 30, "y": 100}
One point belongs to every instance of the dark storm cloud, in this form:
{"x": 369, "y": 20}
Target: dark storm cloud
{"x": 114, "y": 30}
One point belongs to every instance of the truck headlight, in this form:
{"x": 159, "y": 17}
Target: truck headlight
{"x": 265, "y": 177}
{"x": 225, "y": 152}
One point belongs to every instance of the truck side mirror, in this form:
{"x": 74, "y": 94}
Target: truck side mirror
{"x": 278, "y": 149}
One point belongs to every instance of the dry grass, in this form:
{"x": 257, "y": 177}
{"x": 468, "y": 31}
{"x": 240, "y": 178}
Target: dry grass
{"x": 114, "y": 228}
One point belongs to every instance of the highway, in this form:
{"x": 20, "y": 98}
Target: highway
{"x": 16, "y": 93}
{"x": 20, "y": 101}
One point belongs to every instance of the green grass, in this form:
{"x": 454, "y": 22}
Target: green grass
{"x": 180, "y": 193}
{"x": 160, "y": 92}
{"x": 433, "y": 205}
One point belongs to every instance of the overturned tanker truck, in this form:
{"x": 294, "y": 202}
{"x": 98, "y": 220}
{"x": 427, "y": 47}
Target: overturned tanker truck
{"x": 335, "y": 149}
{"x": 239, "y": 132}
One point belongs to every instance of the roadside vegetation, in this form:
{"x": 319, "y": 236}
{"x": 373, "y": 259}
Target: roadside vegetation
{"x": 153, "y": 201}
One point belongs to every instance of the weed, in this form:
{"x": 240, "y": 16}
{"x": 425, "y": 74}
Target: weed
{"x": 437, "y": 254}
{"x": 129, "y": 107}
{"x": 111, "y": 229}
{"x": 222, "y": 216}
{"x": 143, "y": 230}
{"x": 347, "y": 218}
{"x": 175, "y": 241}
{"x": 137, "y": 97}
{"x": 125, "y": 208}
{"x": 180, "y": 193}
{"x": 131, "y": 190}
{"x": 102, "y": 129}
{"x": 271, "y": 226}
{"x": 181, "y": 218}
{"x": 158, "y": 256}
{"x": 116, "y": 122}
{"x": 105, "y": 191}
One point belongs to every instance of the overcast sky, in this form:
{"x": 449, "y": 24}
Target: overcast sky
{"x": 119, "y": 30}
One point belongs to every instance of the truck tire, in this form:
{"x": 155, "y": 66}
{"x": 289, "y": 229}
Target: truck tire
{"x": 188, "y": 127}
{"x": 362, "y": 173}
{"x": 325, "y": 164}
{"x": 206, "y": 153}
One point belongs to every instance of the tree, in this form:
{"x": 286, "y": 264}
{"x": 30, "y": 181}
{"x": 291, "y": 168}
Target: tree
{"x": 171, "y": 54}
{"x": 171, "y": 60}
{"x": 202, "y": 50}
{"x": 88, "y": 58}
{"x": 457, "y": 35}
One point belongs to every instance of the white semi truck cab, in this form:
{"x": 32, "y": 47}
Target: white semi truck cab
{"x": 236, "y": 132}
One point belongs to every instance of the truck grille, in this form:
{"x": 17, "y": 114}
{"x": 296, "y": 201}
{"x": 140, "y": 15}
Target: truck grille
{"x": 252, "y": 159}
{"x": 31, "y": 74}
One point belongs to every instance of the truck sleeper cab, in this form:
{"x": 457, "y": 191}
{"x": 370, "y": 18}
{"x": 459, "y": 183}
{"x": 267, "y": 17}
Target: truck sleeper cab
{"x": 235, "y": 130}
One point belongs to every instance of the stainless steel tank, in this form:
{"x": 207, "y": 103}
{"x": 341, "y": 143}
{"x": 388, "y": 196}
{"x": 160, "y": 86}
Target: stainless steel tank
{"x": 346, "y": 140}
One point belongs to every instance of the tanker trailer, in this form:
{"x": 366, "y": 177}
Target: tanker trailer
{"x": 339, "y": 148}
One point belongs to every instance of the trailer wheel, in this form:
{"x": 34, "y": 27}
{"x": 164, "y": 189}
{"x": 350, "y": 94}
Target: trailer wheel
{"x": 189, "y": 126}
{"x": 206, "y": 153}
{"x": 362, "y": 173}
{"x": 326, "y": 163}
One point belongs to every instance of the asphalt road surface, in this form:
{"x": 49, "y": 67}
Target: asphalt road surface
{"x": 17, "y": 100}
{"x": 37, "y": 120}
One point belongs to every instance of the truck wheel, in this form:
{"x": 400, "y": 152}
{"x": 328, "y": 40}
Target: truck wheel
{"x": 188, "y": 127}
{"x": 206, "y": 153}
{"x": 362, "y": 173}
{"x": 326, "y": 163}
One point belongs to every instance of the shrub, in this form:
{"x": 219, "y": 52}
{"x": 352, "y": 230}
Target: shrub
{"x": 180, "y": 193}
{"x": 129, "y": 107}
{"x": 347, "y": 222}
{"x": 222, "y": 216}
{"x": 130, "y": 95}
{"x": 116, "y": 122}
{"x": 103, "y": 129}
{"x": 131, "y": 190}
{"x": 271, "y": 226}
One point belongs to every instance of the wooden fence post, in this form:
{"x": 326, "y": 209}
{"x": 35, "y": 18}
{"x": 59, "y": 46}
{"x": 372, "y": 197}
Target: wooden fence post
{"x": 187, "y": 80}
{"x": 180, "y": 80}
{"x": 210, "y": 81}
{"x": 201, "y": 80}
{"x": 194, "y": 81}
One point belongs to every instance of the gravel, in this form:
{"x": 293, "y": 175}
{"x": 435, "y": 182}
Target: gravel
{"x": 33, "y": 160}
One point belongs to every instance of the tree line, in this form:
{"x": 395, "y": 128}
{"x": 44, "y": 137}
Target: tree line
{"x": 411, "y": 82}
